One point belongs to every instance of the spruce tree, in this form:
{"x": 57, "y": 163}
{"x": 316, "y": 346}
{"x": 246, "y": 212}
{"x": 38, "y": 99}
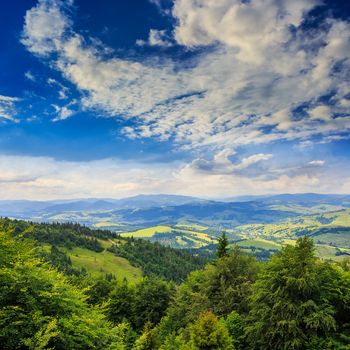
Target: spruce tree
{"x": 292, "y": 306}
{"x": 222, "y": 246}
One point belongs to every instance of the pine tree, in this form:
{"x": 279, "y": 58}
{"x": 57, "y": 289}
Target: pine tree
{"x": 292, "y": 304}
{"x": 222, "y": 246}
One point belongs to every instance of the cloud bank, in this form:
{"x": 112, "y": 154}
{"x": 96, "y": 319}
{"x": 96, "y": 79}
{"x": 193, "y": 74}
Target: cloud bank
{"x": 24, "y": 177}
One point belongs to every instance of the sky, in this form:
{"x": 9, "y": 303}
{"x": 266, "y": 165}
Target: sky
{"x": 209, "y": 98}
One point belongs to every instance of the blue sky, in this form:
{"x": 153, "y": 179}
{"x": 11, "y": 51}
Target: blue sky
{"x": 212, "y": 99}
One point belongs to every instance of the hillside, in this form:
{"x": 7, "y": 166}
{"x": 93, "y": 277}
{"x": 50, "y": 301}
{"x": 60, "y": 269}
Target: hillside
{"x": 191, "y": 223}
{"x": 330, "y": 231}
{"x": 225, "y": 306}
{"x": 78, "y": 249}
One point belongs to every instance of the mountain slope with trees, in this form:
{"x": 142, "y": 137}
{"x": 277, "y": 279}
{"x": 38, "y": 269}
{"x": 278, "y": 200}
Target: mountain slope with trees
{"x": 293, "y": 301}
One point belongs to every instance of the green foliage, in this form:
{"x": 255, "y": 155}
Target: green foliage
{"x": 100, "y": 290}
{"x": 208, "y": 332}
{"x": 152, "y": 297}
{"x": 293, "y": 301}
{"x": 75, "y": 247}
{"x": 155, "y": 259}
{"x": 235, "y": 325}
{"x": 144, "y": 303}
{"x": 222, "y": 249}
{"x": 40, "y": 309}
{"x": 120, "y": 305}
{"x": 145, "y": 341}
{"x": 66, "y": 234}
{"x": 221, "y": 287}
{"x": 60, "y": 260}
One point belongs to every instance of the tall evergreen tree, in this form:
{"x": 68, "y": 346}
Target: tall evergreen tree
{"x": 222, "y": 245}
{"x": 292, "y": 305}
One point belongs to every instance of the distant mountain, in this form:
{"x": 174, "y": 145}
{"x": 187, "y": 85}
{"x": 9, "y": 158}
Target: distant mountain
{"x": 22, "y": 207}
{"x": 309, "y": 199}
{"x": 145, "y": 210}
{"x": 209, "y": 212}
{"x": 306, "y": 199}
{"x": 26, "y": 209}
{"x": 157, "y": 200}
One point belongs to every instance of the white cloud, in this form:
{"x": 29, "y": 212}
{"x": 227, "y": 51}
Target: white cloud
{"x": 321, "y": 112}
{"x": 317, "y": 162}
{"x": 47, "y": 178}
{"x": 7, "y": 108}
{"x": 253, "y": 78}
{"x": 256, "y": 29}
{"x": 44, "y": 27}
{"x": 222, "y": 164}
{"x": 63, "y": 90}
{"x": 62, "y": 113}
{"x": 156, "y": 38}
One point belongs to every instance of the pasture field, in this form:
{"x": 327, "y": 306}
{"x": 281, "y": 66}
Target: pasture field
{"x": 98, "y": 264}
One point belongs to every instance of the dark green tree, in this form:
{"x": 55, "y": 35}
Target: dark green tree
{"x": 152, "y": 297}
{"x": 222, "y": 246}
{"x": 221, "y": 287}
{"x": 121, "y": 303}
{"x": 293, "y": 303}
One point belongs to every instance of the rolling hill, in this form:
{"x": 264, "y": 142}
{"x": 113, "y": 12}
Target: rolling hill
{"x": 191, "y": 223}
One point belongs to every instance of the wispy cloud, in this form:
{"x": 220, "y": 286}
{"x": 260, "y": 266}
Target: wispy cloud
{"x": 261, "y": 79}
{"x": 317, "y": 162}
{"x": 7, "y": 108}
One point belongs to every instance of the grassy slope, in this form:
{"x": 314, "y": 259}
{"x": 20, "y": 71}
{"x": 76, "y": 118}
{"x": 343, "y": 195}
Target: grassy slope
{"x": 259, "y": 243}
{"x": 181, "y": 235}
{"x": 98, "y": 264}
{"x": 147, "y": 232}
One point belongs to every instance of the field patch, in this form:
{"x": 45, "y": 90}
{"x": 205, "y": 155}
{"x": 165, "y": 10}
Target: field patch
{"x": 259, "y": 244}
{"x": 147, "y": 232}
{"x": 98, "y": 264}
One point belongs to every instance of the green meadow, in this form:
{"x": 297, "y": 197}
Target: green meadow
{"x": 100, "y": 264}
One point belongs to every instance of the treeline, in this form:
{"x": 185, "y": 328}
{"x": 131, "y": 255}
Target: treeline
{"x": 66, "y": 235}
{"x": 156, "y": 259}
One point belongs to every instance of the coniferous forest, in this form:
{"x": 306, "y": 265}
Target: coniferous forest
{"x": 292, "y": 301}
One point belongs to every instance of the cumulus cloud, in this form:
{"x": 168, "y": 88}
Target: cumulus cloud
{"x": 44, "y": 27}
{"x": 156, "y": 38}
{"x": 222, "y": 164}
{"x": 261, "y": 66}
{"x": 321, "y": 112}
{"x": 256, "y": 29}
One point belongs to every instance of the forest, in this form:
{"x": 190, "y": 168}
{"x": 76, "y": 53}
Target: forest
{"x": 182, "y": 302}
